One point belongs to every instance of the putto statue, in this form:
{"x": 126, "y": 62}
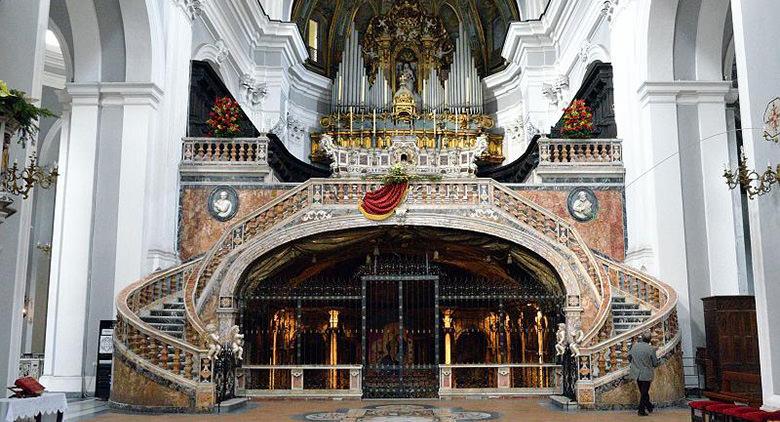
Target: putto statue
{"x": 561, "y": 340}
{"x": 213, "y": 340}
{"x": 237, "y": 342}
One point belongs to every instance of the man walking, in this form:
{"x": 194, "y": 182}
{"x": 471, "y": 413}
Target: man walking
{"x": 643, "y": 363}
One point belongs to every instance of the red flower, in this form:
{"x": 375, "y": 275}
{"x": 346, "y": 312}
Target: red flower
{"x": 577, "y": 120}
{"x": 223, "y": 117}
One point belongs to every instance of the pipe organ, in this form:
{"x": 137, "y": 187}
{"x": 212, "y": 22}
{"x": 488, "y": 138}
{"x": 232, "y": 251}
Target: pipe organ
{"x": 406, "y": 76}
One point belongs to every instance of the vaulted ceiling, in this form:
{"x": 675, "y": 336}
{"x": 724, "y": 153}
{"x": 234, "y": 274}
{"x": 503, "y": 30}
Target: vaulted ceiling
{"x": 485, "y": 21}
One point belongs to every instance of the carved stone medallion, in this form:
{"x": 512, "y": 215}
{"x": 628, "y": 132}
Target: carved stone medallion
{"x": 583, "y": 204}
{"x": 223, "y": 203}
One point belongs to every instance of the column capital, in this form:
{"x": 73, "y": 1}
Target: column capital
{"x": 112, "y": 94}
{"x": 684, "y": 92}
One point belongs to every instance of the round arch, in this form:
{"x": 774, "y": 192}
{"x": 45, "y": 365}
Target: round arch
{"x": 226, "y": 278}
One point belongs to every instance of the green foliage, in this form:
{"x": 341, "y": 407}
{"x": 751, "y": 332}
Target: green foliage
{"x": 399, "y": 173}
{"x": 20, "y": 110}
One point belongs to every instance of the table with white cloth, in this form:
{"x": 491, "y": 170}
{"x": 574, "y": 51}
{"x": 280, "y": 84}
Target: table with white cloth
{"x": 49, "y": 405}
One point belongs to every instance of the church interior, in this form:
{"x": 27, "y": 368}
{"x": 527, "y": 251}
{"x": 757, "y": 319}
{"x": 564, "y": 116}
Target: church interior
{"x": 390, "y": 210}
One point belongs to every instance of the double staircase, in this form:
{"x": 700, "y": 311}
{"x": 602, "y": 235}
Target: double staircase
{"x": 161, "y": 333}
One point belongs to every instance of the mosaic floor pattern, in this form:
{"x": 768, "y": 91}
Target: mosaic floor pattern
{"x": 400, "y": 413}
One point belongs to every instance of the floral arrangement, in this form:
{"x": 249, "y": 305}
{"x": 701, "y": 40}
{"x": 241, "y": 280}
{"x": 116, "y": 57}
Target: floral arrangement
{"x": 223, "y": 118}
{"x": 399, "y": 174}
{"x": 577, "y": 120}
{"x": 21, "y": 112}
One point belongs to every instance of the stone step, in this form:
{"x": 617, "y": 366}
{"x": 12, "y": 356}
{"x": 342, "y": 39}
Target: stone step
{"x": 618, "y": 299}
{"x": 625, "y": 306}
{"x": 167, "y": 327}
{"x": 163, "y": 319}
{"x": 82, "y": 409}
{"x": 231, "y": 405}
{"x": 176, "y": 305}
{"x": 629, "y": 319}
{"x": 564, "y": 403}
{"x": 167, "y": 312}
{"x": 632, "y": 311}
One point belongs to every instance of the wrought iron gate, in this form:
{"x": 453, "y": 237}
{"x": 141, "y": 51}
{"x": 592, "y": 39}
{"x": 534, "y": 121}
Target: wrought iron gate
{"x": 225, "y": 374}
{"x": 400, "y": 335}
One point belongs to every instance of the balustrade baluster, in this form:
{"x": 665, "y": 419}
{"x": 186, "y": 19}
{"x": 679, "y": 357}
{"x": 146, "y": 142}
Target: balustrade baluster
{"x": 176, "y": 361}
{"x": 602, "y": 363}
{"x": 166, "y": 364}
{"x": 188, "y": 365}
{"x": 613, "y": 358}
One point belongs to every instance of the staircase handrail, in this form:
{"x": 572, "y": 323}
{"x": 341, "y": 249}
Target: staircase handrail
{"x": 139, "y": 339}
{"x": 349, "y": 191}
{"x": 603, "y": 289}
{"x": 662, "y": 324}
{"x": 194, "y": 328}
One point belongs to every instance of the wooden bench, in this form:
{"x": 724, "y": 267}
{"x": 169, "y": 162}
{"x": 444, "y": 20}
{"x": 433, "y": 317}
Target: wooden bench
{"x": 750, "y": 395}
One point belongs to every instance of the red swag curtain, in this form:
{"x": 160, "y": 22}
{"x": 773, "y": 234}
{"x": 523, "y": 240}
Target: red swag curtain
{"x": 381, "y": 203}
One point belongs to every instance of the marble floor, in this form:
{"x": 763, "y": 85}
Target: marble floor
{"x": 521, "y": 410}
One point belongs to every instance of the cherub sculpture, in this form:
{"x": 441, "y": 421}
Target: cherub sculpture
{"x": 561, "y": 340}
{"x": 213, "y": 339}
{"x": 237, "y": 342}
{"x": 576, "y": 338}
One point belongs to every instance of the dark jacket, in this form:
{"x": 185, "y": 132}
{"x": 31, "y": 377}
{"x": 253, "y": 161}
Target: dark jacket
{"x": 643, "y": 361}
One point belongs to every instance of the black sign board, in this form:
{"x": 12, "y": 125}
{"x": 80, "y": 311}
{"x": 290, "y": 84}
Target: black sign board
{"x": 105, "y": 355}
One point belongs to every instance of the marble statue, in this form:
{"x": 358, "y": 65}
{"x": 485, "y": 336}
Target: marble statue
{"x": 574, "y": 342}
{"x": 213, "y": 339}
{"x": 237, "y": 342}
{"x": 560, "y": 340}
{"x": 223, "y": 206}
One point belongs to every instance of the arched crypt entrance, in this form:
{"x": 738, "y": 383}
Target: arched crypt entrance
{"x": 417, "y": 311}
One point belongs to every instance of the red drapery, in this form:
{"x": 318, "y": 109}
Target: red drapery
{"x": 381, "y": 203}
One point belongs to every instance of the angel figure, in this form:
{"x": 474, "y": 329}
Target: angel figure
{"x": 237, "y": 342}
{"x": 213, "y": 339}
{"x": 560, "y": 338}
{"x": 576, "y": 338}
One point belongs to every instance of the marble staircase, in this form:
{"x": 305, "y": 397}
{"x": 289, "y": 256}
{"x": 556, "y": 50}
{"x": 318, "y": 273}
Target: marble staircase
{"x": 627, "y": 315}
{"x": 167, "y": 317}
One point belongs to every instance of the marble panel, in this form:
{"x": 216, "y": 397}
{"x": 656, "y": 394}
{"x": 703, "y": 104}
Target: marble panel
{"x": 199, "y": 230}
{"x": 605, "y": 233}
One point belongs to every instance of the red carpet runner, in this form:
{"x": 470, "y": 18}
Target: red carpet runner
{"x": 381, "y": 203}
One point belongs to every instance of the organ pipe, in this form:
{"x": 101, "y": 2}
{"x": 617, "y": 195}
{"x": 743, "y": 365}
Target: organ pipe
{"x": 461, "y": 92}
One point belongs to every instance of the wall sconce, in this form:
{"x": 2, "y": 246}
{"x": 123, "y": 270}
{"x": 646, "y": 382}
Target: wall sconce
{"x": 21, "y": 181}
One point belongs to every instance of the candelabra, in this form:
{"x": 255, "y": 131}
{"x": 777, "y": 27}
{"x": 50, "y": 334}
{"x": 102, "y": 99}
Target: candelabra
{"x": 753, "y": 182}
{"x": 20, "y": 181}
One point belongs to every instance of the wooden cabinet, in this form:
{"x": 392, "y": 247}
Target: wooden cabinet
{"x": 732, "y": 337}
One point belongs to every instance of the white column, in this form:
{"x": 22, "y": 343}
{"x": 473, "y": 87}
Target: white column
{"x": 71, "y": 244}
{"x": 23, "y": 26}
{"x": 659, "y": 193}
{"x": 136, "y": 189}
{"x": 718, "y": 203}
{"x": 170, "y": 128}
{"x": 755, "y": 38}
